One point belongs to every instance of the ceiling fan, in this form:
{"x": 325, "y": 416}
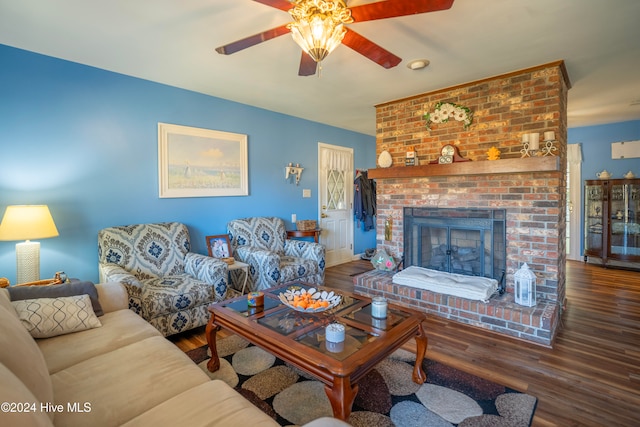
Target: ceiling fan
{"x": 319, "y": 26}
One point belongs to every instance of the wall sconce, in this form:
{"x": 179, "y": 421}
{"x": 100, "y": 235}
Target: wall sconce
{"x": 291, "y": 170}
{"x": 531, "y": 144}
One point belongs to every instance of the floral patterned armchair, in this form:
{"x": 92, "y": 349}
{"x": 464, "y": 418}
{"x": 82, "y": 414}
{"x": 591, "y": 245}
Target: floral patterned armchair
{"x": 168, "y": 286}
{"x": 273, "y": 259}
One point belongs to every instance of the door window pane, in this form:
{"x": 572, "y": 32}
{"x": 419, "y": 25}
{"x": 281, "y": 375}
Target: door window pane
{"x": 336, "y": 196}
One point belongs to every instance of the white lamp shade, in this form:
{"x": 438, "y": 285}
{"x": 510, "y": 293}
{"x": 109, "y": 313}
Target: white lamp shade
{"x": 26, "y": 222}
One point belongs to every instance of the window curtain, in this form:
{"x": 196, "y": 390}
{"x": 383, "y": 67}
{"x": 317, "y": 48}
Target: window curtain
{"x": 336, "y": 160}
{"x": 574, "y": 154}
{"x": 574, "y": 165}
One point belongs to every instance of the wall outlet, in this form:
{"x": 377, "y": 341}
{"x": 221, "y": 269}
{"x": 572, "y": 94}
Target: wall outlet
{"x": 306, "y": 192}
{"x": 294, "y": 218}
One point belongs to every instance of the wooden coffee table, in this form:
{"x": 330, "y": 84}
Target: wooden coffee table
{"x": 298, "y": 338}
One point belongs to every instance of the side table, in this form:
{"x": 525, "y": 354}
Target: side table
{"x": 305, "y": 233}
{"x": 237, "y": 265}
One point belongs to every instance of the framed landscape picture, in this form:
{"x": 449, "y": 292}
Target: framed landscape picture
{"x": 219, "y": 246}
{"x": 195, "y": 162}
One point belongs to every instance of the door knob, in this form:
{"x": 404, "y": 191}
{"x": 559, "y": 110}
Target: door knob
{"x": 324, "y": 215}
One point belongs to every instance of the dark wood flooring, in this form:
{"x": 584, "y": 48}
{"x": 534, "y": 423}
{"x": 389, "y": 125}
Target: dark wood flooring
{"x": 591, "y": 376}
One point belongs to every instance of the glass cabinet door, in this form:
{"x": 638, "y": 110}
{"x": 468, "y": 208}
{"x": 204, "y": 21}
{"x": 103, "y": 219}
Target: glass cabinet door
{"x": 593, "y": 219}
{"x": 625, "y": 227}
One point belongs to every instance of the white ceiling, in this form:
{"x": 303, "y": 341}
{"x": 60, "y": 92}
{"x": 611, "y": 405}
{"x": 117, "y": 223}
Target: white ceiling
{"x": 173, "y": 42}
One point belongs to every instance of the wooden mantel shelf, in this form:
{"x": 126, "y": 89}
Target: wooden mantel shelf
{"x": 485, "y": 167}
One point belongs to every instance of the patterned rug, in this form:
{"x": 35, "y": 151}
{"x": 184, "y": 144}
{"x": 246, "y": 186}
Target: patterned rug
{"x": 387, "y": 396}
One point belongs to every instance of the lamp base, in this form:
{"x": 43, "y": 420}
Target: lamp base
{"x": 27, "y": 261}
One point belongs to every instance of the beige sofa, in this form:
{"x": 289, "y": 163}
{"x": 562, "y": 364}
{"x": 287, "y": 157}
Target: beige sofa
{"x": 121, "y": 373}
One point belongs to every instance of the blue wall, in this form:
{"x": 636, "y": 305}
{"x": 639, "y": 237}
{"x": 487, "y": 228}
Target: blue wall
{"x": 84, "y": 141}
{"x": 596, "y": 153}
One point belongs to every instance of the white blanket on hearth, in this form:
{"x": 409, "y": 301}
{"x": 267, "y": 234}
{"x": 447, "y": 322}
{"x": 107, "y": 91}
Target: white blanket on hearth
{"x": 459, "y": 285}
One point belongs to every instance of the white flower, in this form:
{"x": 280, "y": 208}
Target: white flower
{"x": 438, "y": 117}
{"x": 447, "y": 110}
{"x": 460, "y": 114}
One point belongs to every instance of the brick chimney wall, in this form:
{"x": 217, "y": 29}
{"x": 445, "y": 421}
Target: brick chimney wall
{"x": 504, "y": 107}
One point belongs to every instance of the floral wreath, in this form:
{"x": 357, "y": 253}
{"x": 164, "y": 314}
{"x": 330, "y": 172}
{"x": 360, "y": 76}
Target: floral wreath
{"x": 446, "y": 110}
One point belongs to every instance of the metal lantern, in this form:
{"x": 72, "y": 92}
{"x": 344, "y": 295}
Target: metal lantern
{"x": 525, "y": 286}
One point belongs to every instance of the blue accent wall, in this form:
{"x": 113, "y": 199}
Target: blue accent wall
{"x": 84, "y": 141}
{"x": 596, "y": 153}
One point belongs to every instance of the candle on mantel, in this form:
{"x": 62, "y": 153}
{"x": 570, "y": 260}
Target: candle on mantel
{"x": 550, "y": 136}
{"x": 534, "y": 141}
{"x": 525, "y": 137}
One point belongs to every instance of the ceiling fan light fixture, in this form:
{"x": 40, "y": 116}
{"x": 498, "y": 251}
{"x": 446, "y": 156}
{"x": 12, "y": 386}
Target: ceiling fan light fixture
{"x": 318, "y": 26}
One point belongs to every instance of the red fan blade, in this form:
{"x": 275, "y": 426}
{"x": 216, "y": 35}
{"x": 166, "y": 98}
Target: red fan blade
{"x": 394, "y": 8}
{"x": 278, "y": 4}
{"x": 370, "y": 50}
{"x": 236, "y": 46}
{"x": 308, "y": 65}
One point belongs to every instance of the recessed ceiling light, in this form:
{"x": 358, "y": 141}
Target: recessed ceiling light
{"x": 418, "y": 64}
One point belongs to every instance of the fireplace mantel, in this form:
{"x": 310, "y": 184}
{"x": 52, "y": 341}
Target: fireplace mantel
{"x": 504, "y": 166}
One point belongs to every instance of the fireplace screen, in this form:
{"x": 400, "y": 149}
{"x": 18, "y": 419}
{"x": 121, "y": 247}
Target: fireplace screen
{"x": 463, "y": 241}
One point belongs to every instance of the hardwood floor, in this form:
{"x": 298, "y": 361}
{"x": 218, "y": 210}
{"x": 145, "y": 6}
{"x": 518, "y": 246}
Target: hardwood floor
{"x": 591, "y": 376}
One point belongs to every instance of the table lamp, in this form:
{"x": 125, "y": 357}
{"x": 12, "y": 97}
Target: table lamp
{"x": 25, "y": 222}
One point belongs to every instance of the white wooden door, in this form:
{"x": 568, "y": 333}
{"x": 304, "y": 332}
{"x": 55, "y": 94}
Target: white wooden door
{"x": 335, "y": 202}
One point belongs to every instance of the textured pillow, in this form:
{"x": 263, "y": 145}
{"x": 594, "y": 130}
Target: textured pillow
{"x": 54, "y": 291}
{"x": 50, "y": 317}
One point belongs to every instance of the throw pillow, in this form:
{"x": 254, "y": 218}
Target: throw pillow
{"x": 18, "y": 293}
{"x": 50, "y": 317}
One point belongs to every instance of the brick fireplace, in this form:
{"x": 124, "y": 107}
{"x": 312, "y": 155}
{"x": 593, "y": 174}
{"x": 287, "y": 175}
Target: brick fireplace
{"x": 530, "y": 190}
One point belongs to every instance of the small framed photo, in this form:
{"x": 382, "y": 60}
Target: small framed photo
{"x": 219, "y": 246}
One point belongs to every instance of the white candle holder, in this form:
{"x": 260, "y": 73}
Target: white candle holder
{"x": 530, "y": 144}
{"x": 548, "y": 148}
{"x": 526, "y": 151}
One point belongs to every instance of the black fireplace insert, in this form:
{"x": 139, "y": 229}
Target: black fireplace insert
{"x": 457, "y": 240}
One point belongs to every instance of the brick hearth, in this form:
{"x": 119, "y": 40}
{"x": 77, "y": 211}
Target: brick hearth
{"x": 501, "y": 314}
{"x": 504, "y": 107}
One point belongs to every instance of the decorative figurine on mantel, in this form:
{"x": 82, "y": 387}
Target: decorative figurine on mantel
{"x": 411, "y": 159}
{"x": 385, "y": 160}
{"x": 493, "y": 154}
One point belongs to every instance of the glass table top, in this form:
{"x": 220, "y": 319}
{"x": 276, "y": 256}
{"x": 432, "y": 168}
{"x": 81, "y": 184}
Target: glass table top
{"x": 354, "y": 312}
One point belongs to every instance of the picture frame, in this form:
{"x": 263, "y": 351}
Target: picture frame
{"x": 219, "y": 246}
{"x": 196, "y": 162}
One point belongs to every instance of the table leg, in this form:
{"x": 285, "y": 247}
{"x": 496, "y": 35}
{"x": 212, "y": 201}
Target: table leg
{"x": 341, "y": 395}
{"x": 246, "y": 276}
{"x": 419, "y": 376}
{"x": 211, "y": 332}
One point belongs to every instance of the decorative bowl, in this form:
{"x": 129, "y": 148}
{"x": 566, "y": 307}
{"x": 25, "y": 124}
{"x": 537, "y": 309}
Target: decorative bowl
{"x": 309, "y": 300}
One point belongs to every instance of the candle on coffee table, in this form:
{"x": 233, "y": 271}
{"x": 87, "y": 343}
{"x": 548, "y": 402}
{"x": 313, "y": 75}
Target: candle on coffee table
{"x": 335, "y": 332}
